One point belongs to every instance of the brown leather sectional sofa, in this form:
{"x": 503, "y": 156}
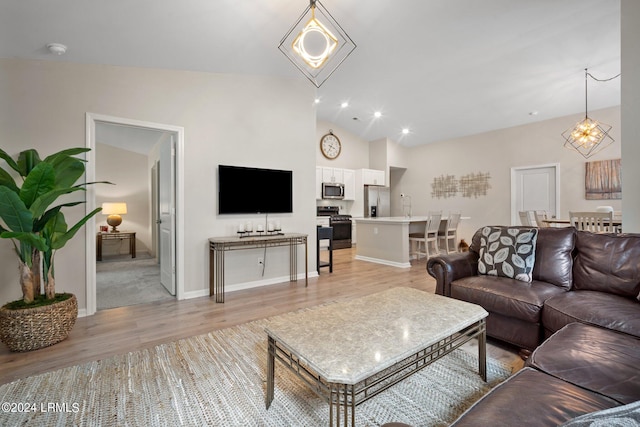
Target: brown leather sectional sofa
{"x": 584, "y": 300}
{"x": 577, "y": 277}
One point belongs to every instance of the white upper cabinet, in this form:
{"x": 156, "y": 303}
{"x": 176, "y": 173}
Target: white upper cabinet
{"x": 349, "y": 184}
{"x": 373, "y": 177}
{"x": 332, "y": 175}
{"x": 336, "y": 175}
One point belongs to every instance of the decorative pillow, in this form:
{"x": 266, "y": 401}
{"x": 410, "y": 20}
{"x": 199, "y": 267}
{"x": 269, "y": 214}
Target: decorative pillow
{"x": 626, "y": 415}
{"x": 508, "y": 252}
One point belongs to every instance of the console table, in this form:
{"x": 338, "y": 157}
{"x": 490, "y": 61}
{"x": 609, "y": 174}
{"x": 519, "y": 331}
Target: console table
{"x": 117, "y": 235}
{"x": 218, "y": 246}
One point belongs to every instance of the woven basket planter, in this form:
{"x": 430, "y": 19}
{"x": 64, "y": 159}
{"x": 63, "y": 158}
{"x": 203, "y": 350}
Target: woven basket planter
{"x": 33, "y": 328}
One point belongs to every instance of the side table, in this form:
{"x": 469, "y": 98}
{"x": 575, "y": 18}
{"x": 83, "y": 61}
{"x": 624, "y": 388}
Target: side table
{"x": 117, "y": 235}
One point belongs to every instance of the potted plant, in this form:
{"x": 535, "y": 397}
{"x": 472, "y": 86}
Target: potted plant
{"x": 32, "y": 219}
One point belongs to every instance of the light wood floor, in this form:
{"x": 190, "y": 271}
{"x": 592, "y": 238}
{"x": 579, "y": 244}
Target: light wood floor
{"x": 125, "y": 329}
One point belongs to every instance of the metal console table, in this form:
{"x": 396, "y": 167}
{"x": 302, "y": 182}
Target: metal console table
{"x": 218, "y": 246}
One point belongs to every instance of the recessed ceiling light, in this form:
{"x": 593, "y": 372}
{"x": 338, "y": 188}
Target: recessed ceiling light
{"x": 377, "y": 114}
{"x": 317, "y": 100}
{"x": 57, "y": 48}
{"x": 345, "y": 104}
{"x": 405, "y": 131}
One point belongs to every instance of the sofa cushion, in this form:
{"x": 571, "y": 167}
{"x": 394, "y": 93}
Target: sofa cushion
{"x": 510, "y": 297}
{"x": 607, "y": 263}
{"x": 626, "y": 415}
{"x": 554, "y": 258}
{"x": 532, "y": 398}
{"x": 593, "y": 358}
{"x": 508, "y": 252}
{"x": 593, "y": 308}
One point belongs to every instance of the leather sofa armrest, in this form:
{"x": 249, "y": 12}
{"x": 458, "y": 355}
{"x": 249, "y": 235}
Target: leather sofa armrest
{"x": 447, "y": 268}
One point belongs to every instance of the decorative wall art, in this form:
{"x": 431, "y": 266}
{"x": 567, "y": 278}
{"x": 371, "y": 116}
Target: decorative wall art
{"x": 603, "y": 180}
{"x": 470, "y": 185}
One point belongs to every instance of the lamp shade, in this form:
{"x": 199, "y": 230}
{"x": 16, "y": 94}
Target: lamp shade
{"x": 114, "y": 208}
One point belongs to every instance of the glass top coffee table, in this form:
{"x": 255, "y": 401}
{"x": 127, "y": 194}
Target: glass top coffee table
{"x": 350, "y": 351}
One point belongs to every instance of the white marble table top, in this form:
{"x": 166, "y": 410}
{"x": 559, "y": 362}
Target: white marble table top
{"x": 349, "y": 341}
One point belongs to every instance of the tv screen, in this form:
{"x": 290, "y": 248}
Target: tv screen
{"x": 243, "y": 190}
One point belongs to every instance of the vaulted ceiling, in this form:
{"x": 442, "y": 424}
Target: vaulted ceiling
{"x": 442, "y": 68}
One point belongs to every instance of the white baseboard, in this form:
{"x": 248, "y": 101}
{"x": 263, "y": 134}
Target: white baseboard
{"x": 384, "y": 261}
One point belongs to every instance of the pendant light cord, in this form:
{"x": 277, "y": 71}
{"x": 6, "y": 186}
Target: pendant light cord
{"x": 588, "y": 74}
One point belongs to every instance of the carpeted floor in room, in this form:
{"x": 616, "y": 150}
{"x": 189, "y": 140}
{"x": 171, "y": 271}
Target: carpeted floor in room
{"x": 123, "y": 281}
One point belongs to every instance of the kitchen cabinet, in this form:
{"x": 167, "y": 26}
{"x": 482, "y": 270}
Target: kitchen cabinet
{"x": 318, "y": 183}
{"x": 336, "y": 175}
{"x": 373, "y": 177}
{"x": 332, "y": 175}
{"x": 349, "y": 184}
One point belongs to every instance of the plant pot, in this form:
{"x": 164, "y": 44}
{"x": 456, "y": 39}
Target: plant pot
{"x": 29, "y": 329}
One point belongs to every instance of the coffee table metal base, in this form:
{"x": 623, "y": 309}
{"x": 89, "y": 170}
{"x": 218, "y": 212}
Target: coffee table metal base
{"x": 343, "y": 398}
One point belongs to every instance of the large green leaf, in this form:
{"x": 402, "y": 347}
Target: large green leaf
{"x": 59, "y": 241}
{"x": 42, "y": 203}
{"x": 27, "y": 160}
{"x": 40, "y": 180}
{"x": 67, "y": 170}
{"x": 7, "y": 180}
{"x": 31, "y": 239}
{"x": 7, "y": 158}
{"x": 65, "y": 153}
{"x": 13, "y": 211}
{"x": 40, "y": 222}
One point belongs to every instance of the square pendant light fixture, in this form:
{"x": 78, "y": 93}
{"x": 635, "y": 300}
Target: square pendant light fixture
{"x": 588, "y": 136}
{"x": 316, "y": 43}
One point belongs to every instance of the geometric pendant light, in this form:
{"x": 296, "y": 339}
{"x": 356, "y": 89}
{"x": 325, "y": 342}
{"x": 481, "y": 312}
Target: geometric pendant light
{"x": 316, "y": 43}
{"x": 588, "y": 136}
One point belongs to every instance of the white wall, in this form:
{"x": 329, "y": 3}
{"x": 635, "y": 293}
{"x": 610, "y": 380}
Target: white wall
{"x": 129, "y": 173}
{"x": 230, "y": 119}
{"x": 497, "y": 152}
{"x": 630, "y": 114}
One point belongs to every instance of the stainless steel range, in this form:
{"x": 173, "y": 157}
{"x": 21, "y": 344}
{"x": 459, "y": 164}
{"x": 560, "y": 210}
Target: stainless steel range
{"x": 341, "y": 226}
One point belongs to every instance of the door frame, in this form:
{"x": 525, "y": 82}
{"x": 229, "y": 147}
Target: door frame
{"x": 514, "y": 173}
{"x": 90, "y": 140}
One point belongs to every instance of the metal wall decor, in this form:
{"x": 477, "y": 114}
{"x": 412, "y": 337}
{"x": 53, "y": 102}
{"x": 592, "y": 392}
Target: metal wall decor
{"x": 469, "y": 185}
{"x": 603, "y": 180}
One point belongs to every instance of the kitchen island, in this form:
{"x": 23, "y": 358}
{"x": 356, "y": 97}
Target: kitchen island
{"x": 385, "y": 240}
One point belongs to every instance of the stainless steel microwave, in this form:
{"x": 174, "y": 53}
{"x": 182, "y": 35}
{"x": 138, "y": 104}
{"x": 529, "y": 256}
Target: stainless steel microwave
{"x": 332, "y": 190}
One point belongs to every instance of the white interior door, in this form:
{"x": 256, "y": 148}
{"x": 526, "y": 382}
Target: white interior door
{"x": 166, "y": 213}
{"x": 535, "y": 188}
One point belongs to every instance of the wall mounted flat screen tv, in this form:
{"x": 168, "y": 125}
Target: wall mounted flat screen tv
{"x": 243, "y": 190}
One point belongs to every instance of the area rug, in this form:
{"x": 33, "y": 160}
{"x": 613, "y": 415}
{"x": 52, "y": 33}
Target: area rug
{"x": 218, "y": 379}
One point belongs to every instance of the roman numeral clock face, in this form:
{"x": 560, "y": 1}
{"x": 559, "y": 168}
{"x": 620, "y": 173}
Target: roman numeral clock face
{"x": 330, "y": 146}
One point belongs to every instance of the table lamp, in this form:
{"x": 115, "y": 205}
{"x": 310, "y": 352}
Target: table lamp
{"x": 114, "y": 210}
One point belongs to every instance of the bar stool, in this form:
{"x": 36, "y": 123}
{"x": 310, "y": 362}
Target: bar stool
{"x": 324, "y": 233}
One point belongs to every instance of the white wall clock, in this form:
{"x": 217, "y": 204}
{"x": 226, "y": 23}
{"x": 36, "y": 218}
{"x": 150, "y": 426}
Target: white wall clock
{"x": 330, "y": 146}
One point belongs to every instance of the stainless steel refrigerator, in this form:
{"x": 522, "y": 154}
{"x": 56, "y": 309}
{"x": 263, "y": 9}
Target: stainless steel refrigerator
{"x": 377, "y": 201}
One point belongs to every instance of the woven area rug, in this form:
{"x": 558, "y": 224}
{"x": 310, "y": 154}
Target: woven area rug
{"x": 218, "y": 379}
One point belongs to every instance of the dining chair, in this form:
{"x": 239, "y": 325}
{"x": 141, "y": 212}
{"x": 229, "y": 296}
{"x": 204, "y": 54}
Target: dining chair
{"x": 540, "y": 217}
{"x": 428, "y": 238}
{"x": 527, "y": 218}
{"x": 596, "y": 222}
{"x": 450, "y": 232}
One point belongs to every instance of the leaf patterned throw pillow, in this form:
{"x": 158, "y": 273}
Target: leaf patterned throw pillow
{"x": 508, "y": 252}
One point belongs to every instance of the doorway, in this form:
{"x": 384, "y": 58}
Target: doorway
{"x": 535, "y": 188}
{"x": 166, "y": 203}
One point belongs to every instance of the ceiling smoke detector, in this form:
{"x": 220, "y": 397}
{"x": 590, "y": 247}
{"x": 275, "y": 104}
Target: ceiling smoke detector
{"x": 57, "y": 48}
